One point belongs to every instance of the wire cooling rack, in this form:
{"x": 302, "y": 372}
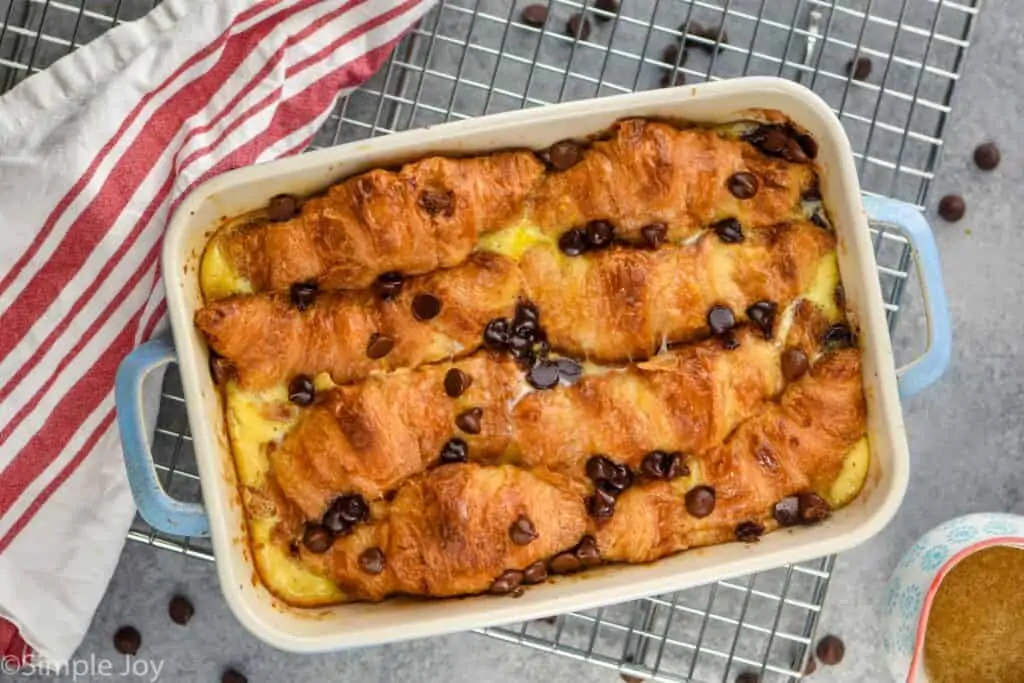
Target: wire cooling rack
{"x": 471, "y": 58}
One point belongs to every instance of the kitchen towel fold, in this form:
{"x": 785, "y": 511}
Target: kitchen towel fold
{"x": 95, "y": 153}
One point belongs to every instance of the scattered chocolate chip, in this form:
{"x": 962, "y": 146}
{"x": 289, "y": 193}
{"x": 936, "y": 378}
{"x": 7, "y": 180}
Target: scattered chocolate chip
{"x": 564, "y": 563}
{"x": 812, "y": 666}
{"x": 838, "y": 336}
{"x": 654, "y": 234}
{"x": 353, "y": 508}
{"x": 387, "y": 285}
{"x": 303, "y": 294}
{"x": 839, "y": 296}
{"x": 748, "y": 677}
{"x": 749, "y": 532}
{"x": 569, "y": 370}
{"x": 543, "y": 375}
{"x": 813, "y": 508}
{"x": 787, "y": 511}
{"x": 578, "y": 27}
{"x": 127, "y": 640}
{"x": 454, "y": 450}
{"x": 563, "y": 155}
{"x": 535, "y": 573}
{"x": 601, "y": 505}
{"x": 232, "y": 676}
{"x": 507, "y": 582}
{"x": 469, "y": 420}
{"x": 526, "y": 320}
{"x": 587, "y": 552}
{"x": 600, "y": 467}
{"x": 859, "y": 68}
{"x": 770, "y": 138}
{"x": 721, "y": 319}
{"x": 425, "y": 306}
{"x": 522, "y": 347}
{"x": 762, "y": 314}
{"x": 317, "y": 538}
{"x": 334, "y": 522}
{"x": 710, "y": 33}
{"x": 671, "y": 53}
{"x": 986, "y": 156}
{"x": 534, "y": 15}
{"x": 282, "y": 207}
{"x": 496, "y": 335}
{"x": 371, "y": 560}
{"x": 808, "y": 144}
{"x": 573, "y": 242}
{"x": 437, "y": 202}
{"x": 729, "y": 341}
{"x": 599, "y": 234}
{"x": 662, "y": 465}
{"x": 830, "y": 650}
{"x": 379, "y": 346}
{"x": 610, "y": 6}
{"x": 221, "y": 369}
{"x": 728, "y": 230}
{"x": 456, "y": 382}
{"x": 819, "y": 220}
{"x": 794, "y": 364}
{"x": 301, "y": 390}
{"x": 180, "y": 610}
{"x": 522, "y": 531}
{"x": 742, "y": 185}
{"x": 952, "y": 207}
{"x": 700, "y": 501}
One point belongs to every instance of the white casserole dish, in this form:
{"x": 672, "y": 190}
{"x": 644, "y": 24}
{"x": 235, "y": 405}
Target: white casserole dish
{"x": 354, "y": 625}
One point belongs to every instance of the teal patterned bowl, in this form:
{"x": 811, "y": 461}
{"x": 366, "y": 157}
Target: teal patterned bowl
{"x": 916, "y": 579}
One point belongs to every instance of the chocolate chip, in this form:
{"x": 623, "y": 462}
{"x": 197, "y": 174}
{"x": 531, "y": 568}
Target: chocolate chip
{"x": 654, "y": 234}
{"x": 601, "y": 505}
{"x": 794, "y": 364}
{"x": 578, "y": 27}
{"x": 569, "y": 370}
{"x": 522, "y": 531}
{"x": 729, "y": 341}
{"x": 563, "y": 155}
{"x": 454, "y": 450}
{"x": 611, "y": 476}
{"x": 812, "y": 666}
{"x": 838, "y": 336}
{"x": 952, "y": 207}
{"x": 813, "y": 508}
{"x": 839, "y": 296}
{"x": 507, "y": 582}
{"x": 127, "y": 640}
{"x": 232, "y": 676}
{"x": 303, "y": 294}
{"x": 860, "y": 68}
{"x": 543, "y": 375}
{"x": 301, "y": 390}
{"x": 742, "y": 185}
{"x": 830, "y": 650}
{"x": 425, "y": 306}
{"x": 986, "y": 156}
{"x": 662, "y": 465}
{"x": 527, "y": 317}
{"x": 456, "y": 382}
{"x": 371, "y": 560}
{"x": 353, "y": 508}
{"x": 573, "y": 242}
{"x": 787, "y": 511}
{"x": 379, "y": 346}
{"x": 769, "y": 138}
{"x": 700, "y": 501}
{"x": 808, "y": 144}
{"x": 587, "y": 552}
{"x": 711, "y": 33}
{"x": 496, "y": 335}
{"x": 748, "y": 677}
{"x": 564, "y": 563}
{"x": 599, "y": 467}
{"x": 282, "y": 207}
{"x": 729, "y": 230}
{"x": 387, "y": 285}
{"x": 671, "y": 53}
{"x": 535, "y": 573}
{"x": 522, "y": 347}
{"x": 317, "y": 538}
{"x": 610, "y": 6}
{"x": 819, "y": 220}
{"x": 469, "y": 420}
{"x": 180, "y": 610}
{"x": 762, "y": 314}
{"x": 534, "y": 15}
{"x": 437, "y": 202}
{"x": 334, "y": 522}
{"x": 221, "y": 369}
{"x": 749, "y": 532}
{"x": 599, "y": 234}
{"x": 721, "y": 319}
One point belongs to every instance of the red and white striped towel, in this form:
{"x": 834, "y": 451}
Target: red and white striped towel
{"x": 95, "y": 153}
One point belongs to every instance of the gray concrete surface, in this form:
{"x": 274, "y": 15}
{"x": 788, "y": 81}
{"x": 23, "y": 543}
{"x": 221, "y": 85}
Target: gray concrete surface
{"x": 965, "y": 435}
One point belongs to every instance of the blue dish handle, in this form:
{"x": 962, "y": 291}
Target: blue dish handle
{"x": 159, "y": 510}
{"x": 923, "y": 372}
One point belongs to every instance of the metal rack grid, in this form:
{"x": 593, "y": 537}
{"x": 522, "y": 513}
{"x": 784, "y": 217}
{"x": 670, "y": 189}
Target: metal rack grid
{"x": 473, "y": 57}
